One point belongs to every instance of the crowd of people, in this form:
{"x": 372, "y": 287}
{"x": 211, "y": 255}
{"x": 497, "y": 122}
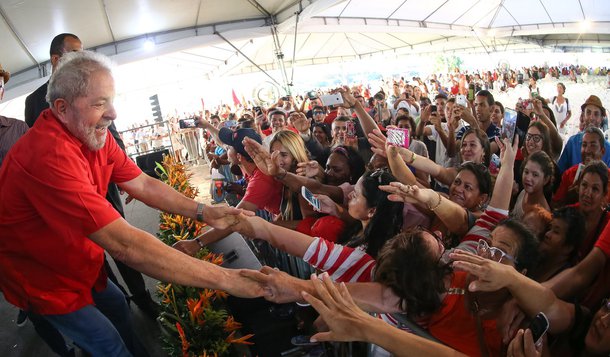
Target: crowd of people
{"x": 416, "y": 219}
{"x": 455, "y": 235}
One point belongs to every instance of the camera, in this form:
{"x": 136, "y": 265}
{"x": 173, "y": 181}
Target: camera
{"x": 433, "y": 109}
{"x": 312, "y": 95}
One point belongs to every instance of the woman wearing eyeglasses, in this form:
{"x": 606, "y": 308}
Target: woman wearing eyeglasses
{"x": 537, "y": 139}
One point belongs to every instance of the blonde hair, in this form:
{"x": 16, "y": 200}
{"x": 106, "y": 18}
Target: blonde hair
{"x": 291, "y": 142}
{"x": 295, "y": 145}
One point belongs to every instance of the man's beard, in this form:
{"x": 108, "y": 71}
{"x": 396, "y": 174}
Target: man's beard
{"x": 86, "y": 134}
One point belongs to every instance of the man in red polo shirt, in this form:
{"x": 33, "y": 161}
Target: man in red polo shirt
{"x": 55, "y": 222}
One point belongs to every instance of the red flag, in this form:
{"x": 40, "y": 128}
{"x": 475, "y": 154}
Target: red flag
{"x": 235, "y": 99}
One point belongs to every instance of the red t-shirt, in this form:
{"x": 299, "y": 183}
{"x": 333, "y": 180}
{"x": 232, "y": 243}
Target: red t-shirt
{"x": 455, "y": 325}
{"x": 567, "y": 179}
{"x": 52, "y": 190}
{"x": 264, "y": 192}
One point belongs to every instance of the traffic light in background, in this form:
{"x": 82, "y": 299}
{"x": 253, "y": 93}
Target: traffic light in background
{"x": 156, "y": 108}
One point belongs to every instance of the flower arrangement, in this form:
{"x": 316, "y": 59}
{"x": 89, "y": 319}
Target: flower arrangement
{"x": 193, "y": 321}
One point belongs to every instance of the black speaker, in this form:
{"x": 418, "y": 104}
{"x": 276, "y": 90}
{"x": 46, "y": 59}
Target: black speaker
{"x": 148, "y": 162}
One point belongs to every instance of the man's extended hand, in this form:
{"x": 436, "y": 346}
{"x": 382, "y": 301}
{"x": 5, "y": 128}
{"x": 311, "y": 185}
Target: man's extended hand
{"x": 222, "y": 217}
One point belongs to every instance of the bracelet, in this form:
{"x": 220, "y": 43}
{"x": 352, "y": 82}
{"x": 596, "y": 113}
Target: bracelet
{"x": 412, "y": 158}
{"x": 437, "y": 204}
{"x": 201, "y": 245}
{"x": 283, "y": 176}
{"x": 199, "y": 215}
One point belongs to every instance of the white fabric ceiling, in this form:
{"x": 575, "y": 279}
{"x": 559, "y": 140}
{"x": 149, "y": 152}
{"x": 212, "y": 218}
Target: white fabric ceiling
{"x": 186, "y": 31}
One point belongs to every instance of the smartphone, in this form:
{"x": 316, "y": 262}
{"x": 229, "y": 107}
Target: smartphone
{"x": 433, "y": 108}
{"x": 351, "y": 129}
{"x": 471, "y": 92}
{"x": 399, "y": 137}
{"x": 460, "y": 99}
{"x": 509, "y": 124}
{"x": 308, "y": 195}
{"x": 539, "y": 326}
{"x": 257, "y": 111}
{"x": 331, "y": 99}
{"x": 187, "y": 123}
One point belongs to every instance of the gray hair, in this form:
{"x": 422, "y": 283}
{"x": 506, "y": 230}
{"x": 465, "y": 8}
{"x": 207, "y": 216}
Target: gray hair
{"x": 70, "y": 80}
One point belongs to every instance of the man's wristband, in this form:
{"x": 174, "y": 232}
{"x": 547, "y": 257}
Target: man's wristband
{"x": 199, "y": 215}
{"x": 201, "y": 245}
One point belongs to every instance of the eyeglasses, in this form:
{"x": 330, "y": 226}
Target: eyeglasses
{"x": 317, "y": 112}
{"x": 492, "y": 253}
{"x": 537, "y": 138}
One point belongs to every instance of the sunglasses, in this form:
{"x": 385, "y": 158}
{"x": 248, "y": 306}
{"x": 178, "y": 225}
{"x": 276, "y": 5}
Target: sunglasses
{"x": 378, "y": 174}
{"x": 493, "y": 253}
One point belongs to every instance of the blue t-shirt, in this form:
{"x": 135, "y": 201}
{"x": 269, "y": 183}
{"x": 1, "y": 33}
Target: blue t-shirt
{"x": 570, "y": 155}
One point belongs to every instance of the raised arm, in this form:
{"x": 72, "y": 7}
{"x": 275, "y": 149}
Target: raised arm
{"x": 399, "y": 169}
{"x": 556, "y": 140}
{"x": 267, "y": 163}
{"x": 501, "y": 195}
{"x": 367, "y": 123}
{"x": 442, "y": 174}
{"x": 450, "y": 213}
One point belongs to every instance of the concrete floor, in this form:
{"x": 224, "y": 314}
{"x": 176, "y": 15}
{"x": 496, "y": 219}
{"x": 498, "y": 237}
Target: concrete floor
{"x": 23, "y": 341}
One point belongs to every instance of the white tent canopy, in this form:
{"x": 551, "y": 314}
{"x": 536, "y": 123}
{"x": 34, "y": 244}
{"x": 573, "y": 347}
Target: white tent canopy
{"x": 207, "y": 36}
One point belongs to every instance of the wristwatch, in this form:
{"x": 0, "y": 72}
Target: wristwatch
{"x": 199, "y": 216}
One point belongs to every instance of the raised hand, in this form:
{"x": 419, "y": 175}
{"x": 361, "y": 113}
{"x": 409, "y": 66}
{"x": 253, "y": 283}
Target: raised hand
{"x": 492, "y": 276}
{"x": 267, "y": 163}
{"x": 349, "y": 100}
{"x": 378, "y": 142}
{"x": 399, "y": 192}
{"x": 309, "y": 169}
{"x": 507, "y": 151}
{"x": 301, "y": 122}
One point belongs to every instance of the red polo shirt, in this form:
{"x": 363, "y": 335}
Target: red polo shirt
{"x": 52, "y": 190}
